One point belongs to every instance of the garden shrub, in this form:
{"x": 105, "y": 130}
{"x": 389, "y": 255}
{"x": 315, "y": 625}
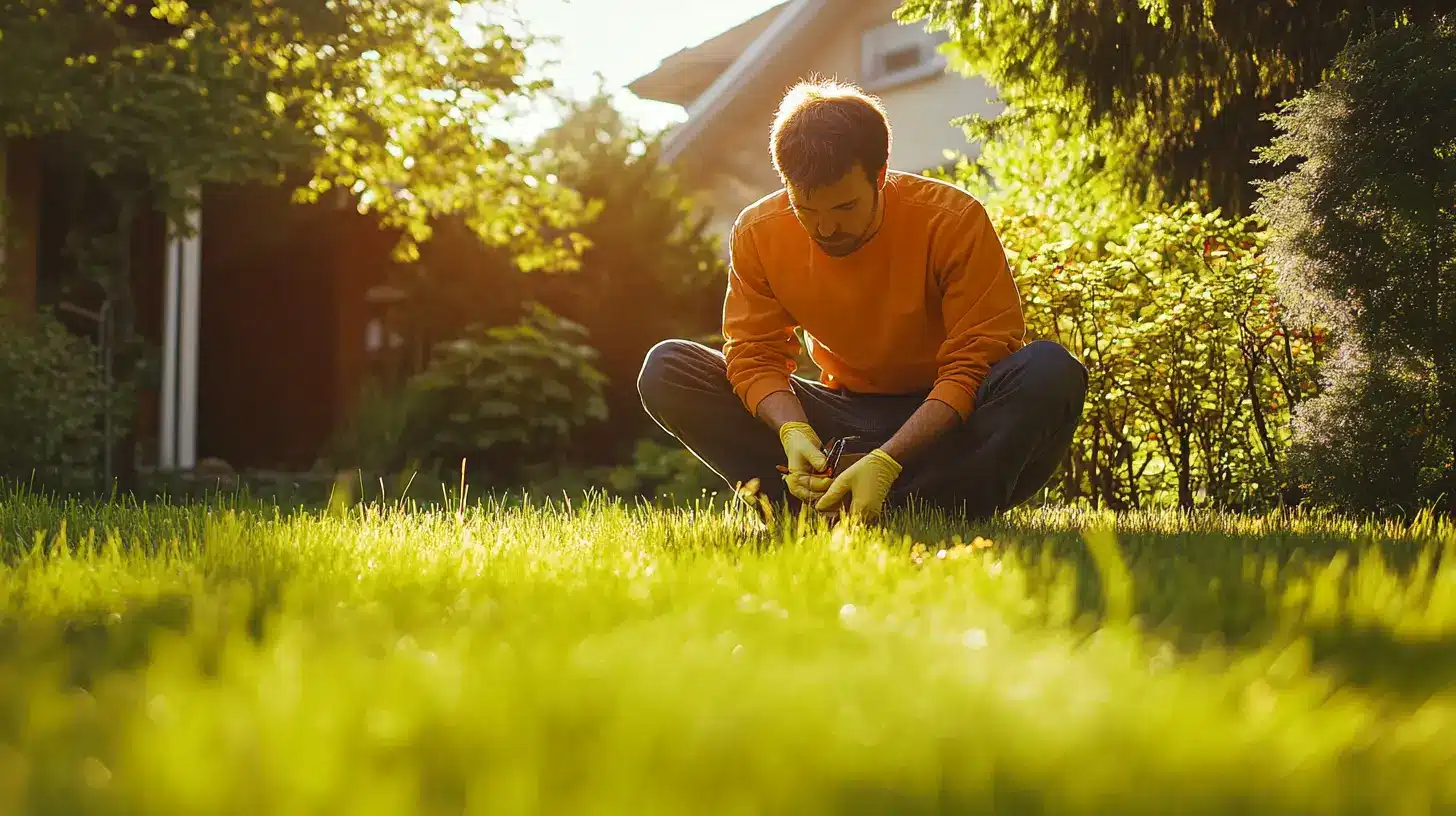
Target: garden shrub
{"x": 380, "y": 434}
{"x": 507, "y": 399}
{"x": 665, "y": 472}
{"x": 52, "y": 404}
{"x": 1193, "y": 363}
{"x": 1364, "y": 235}
{"x": 650, "y": 268}
{"x": 1366, "y": 444}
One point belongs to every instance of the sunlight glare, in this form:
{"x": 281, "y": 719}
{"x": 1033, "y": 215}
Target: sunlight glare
{"x": 579, "y": 54}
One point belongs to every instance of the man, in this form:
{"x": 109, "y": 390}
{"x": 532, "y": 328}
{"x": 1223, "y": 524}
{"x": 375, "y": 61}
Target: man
{"x": 906, "y": 301}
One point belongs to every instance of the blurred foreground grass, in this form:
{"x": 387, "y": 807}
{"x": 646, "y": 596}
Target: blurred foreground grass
{"x": 612, "y": 659}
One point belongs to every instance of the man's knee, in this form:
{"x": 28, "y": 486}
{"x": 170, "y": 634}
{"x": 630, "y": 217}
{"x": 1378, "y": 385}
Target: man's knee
{"x": 1054, "y": 373}
{"x": 664, "y": 370}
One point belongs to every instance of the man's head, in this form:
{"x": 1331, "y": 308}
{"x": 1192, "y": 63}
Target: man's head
{"x": 831, "y": 147}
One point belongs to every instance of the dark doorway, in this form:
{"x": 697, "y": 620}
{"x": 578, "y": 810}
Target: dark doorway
{"x": 266, "y": 363}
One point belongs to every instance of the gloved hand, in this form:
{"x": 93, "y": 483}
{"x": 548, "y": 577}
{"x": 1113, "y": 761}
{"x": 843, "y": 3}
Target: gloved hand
{"x": 865, "y": 483}
{"x": 806, "y": 461}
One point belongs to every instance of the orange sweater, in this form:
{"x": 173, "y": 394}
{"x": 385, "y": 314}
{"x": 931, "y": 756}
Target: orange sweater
{"x": 928, "y": 304}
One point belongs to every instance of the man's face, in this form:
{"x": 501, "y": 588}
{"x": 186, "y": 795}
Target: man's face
{"x": 840, "y": 217}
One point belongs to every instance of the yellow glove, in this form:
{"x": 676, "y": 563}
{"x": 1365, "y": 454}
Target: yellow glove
{"x": 866, "y": 483}
{"x": 806, "y": 459}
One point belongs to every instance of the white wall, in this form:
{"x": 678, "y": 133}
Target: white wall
{"x": 920, "y": 111}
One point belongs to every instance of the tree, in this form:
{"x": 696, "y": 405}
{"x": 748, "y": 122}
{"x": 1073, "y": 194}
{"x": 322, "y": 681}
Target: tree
{"x": 1184, "y": 88}
{"x": 390, "y": 100}
{"x": 1364, "y": 234}
{"x": 1063, "y": 174}
{"x": 651, "y": 271}
{"x": 649, "y": 268}
{"x": 387, "y": 101}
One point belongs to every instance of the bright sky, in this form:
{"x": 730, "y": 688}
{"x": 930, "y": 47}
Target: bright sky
{"x": 622, "y": 40}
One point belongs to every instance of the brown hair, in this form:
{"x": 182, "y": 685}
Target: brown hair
{"x": 823, "y": 128}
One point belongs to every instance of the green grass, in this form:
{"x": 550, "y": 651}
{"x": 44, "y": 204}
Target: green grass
{"x": 612, "y": 659}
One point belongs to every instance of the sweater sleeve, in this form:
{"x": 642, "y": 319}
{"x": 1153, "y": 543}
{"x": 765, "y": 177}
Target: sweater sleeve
{"x": 758, "y": 333}
{"x": 981, "y": 308}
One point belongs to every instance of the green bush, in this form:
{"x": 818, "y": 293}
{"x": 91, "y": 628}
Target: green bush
{"x": 650, "y": 268}
{"x": 1193, "y": 363}
{"x": 660, "y": 472}
{"x": 665, "y": 472}
{"x": 1366, "y": 444}
{"x": 507, "y": 398}
{"x": 379, "y": 434}
{"x": 51, "y": 404}
{"x": 1364, "y": 234}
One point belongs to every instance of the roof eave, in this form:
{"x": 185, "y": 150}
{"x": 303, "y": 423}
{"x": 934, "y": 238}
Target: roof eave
{"x": 717, "y": 52}
{"x": 750, "y": 65}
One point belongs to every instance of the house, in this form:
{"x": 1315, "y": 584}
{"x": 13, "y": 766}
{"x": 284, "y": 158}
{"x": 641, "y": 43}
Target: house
{"x": 265, "y": 317}
{"x": 731, "y": 86}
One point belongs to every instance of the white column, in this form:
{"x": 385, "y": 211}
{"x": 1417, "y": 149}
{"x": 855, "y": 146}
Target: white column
{"x": 191, "y": 343}
{"x": 181, "y": 316}
{"x": 167, "y": 456}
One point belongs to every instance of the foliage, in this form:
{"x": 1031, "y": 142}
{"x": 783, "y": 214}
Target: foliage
{"x": 52, "y": 404}
{"x": 612, "y": 162}
{"x": 388, "y": 101}
{"x": 385, "y": 104}
{"x": 1193, "y": 363}
{"x": 1048, "y": 165}
{"x": 227, "y": 658}
{"x": 662, "y": 473}
{"x": 653, "y": 269}
{"x": 1364, "y": 232}
{"x": 378, "y": 435}
{"x": 659, "y": 472}
{"x": 1368, "y": 443}
{"x": 504, "y": 398}
{"x": 665, "y": 472}
{"x": 1183, "y": 86}
{"x": 649, "y": 269}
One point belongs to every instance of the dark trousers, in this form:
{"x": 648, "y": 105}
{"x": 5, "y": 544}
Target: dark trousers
{"x": 1027, "y": 410}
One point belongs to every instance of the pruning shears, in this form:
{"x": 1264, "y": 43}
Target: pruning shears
{"x": 832, "y": 451}
{"x": 750, "y": 493}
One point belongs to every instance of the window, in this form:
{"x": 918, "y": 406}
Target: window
{"x": 895, "y": 54}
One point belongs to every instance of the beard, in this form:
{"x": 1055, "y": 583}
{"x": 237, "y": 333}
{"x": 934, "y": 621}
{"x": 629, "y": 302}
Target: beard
{"x": 839, "y": 245}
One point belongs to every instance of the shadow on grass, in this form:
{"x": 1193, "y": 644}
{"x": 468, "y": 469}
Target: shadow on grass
{"x": 1246, "y": 595}
{"x": 1380, "y": 660}
{"x": 1347, "y": 592}
{"x": 93, "y": 642}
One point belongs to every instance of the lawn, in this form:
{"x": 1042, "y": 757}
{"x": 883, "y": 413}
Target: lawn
{"x": 605, "y": 658}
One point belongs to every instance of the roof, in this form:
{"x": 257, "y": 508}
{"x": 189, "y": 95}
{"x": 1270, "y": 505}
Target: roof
{"x": 683, "y": 76}
{"x": 769, "y": 53}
